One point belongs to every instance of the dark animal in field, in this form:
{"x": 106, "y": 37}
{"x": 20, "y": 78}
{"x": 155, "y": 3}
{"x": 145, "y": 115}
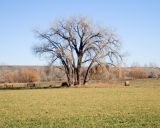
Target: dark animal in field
{"x": 64, "y": 84}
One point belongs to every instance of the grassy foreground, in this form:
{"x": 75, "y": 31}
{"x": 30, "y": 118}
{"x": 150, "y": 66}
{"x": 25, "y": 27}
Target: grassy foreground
{"x": 125, "y": 107}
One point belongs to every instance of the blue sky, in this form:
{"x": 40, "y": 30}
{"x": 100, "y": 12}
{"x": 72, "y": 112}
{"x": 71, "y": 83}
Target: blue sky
{"x": 137, "y": 23}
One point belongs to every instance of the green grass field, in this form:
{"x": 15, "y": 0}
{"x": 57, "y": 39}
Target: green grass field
{"x": 116, "y": 107}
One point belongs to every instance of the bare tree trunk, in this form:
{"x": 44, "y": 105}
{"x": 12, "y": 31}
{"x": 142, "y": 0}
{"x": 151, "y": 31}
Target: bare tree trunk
{"x": 79, "y": 67}
{"x": 75, "y": 77}
{"x": 79, "y": 76}
{"x": 69, "y": 81}
{"x": 87, "y": 73}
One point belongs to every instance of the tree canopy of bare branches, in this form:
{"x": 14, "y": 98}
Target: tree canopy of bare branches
{"x": 75, "y": 42}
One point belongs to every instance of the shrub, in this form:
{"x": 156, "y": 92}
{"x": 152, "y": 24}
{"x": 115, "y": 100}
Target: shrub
{"x": 118, "y": 73}
{"x": 137, "y": 73}
{"x": 9, "y": 77}
{"x": 22, "y": 76}
{"x": 99, "y": 72}
{"x": 42, "y": 76}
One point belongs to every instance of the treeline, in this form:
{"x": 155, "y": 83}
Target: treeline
{"x": 96, "y": 73}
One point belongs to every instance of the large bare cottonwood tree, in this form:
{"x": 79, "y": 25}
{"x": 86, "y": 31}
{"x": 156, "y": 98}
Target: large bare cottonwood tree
{"x": 76, "y": 42}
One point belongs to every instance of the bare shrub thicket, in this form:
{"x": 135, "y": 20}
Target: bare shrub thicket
{"x": 117, "y": 73}
{"x": 42, "y": 76}
{"x": 138, "y": 73}
{"x": 21, "y": 76}
{"x": 99, "y": 72}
